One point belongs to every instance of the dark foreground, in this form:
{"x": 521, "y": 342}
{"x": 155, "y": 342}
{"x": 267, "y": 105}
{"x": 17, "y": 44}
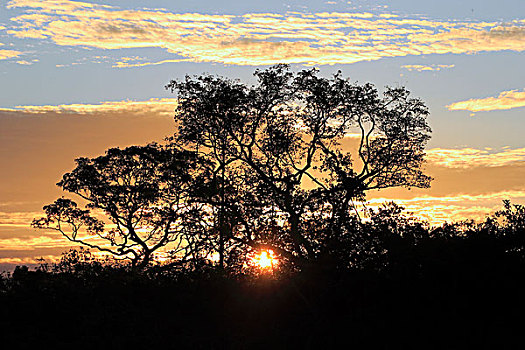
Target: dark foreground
{"x": 447, "y": 299}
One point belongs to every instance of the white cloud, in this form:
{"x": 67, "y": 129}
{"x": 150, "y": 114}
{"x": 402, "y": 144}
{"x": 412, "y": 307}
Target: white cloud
{"x": 260, "y": 38}
{"x": 5, "y": 54}
{"x": 160, "y": 106}
{"x": 505, "y": 100}
{"x": 472, "y": 157}
{"x": 432, "y": 67}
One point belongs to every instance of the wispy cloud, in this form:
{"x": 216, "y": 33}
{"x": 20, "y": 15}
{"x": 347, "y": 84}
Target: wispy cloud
{"x": 159, "y": 106}
{"x": 505, "y": 100}
{"x": 471, "y": 157}
{"x": 129, "y": 64}
{"x": 432, "y": 67}
{"x": 34, "y": 242}
{"x": 27, "y": 63}
{"x": 17, "y": 219}
{"x": 5, "y": 54}
{"x": 438, "y": 210}
{"x": 259, "y": 38}
{"x": 18, "y": 261}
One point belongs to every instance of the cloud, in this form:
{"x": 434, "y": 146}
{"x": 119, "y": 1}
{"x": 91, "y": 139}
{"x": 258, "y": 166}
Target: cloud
{"x": 471, "y": 157}
{"x": 434, "y": 209}
{"x": 17, "y": 219}
{"x": 16, "y": 243}
{"x": 469, "y": 183}
{"x": 20, "y": 244}
{"x": 505, "y": 100}
{"x": 127, "y": 64}
{"x": 259, "y": 38}
{"x": 438, "y": 210}
{"x": 8, "y": 264}
{"x": 432, "y": 67}
{"x": 158, "y": 106}
{"x": 5, "y": 54}
{"x": 26, "y": 63}
{"x": 27, "y": 260}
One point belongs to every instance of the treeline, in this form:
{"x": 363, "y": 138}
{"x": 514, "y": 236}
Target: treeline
{"x": 456, "y": 286}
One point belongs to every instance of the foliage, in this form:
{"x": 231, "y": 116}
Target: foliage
{"x": 456, "y": 286}
{"x": 142, "y": 192}
{"x": 284, "y": 178}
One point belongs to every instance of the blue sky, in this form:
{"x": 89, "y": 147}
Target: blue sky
{"x": 67, "y": 74}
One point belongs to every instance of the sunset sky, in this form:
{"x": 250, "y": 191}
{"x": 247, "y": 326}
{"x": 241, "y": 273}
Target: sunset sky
{"x": 80, "y": 77}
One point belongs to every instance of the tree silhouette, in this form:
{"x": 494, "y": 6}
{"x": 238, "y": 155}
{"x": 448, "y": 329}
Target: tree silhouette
{"x": 137, "y": 203}
{"x": 277, "y": 165}
{"x": 292, "y": 182}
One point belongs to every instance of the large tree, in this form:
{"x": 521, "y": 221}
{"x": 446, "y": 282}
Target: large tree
{"x": 292, "y": 153}
{"x": 276, "y": 165}
{"x": 137, "y": 203}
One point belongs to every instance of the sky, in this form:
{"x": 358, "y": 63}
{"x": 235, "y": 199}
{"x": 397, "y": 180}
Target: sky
{"x": 77, "y": 78}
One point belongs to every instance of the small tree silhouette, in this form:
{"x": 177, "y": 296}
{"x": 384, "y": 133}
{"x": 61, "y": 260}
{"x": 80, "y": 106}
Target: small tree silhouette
{"x": 137, "y": 202}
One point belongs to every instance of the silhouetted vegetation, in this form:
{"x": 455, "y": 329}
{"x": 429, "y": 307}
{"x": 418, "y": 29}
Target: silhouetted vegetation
{"x": 278, "y": 165}
{"x": 281, "y": 166}
{"x": 456, "y": 286}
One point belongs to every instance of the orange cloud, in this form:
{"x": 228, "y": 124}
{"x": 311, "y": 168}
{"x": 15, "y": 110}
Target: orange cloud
{"x": 438, "y": 210}
{"x": 34, "y": 243}
{"x": 159, "y": 106}
{"x": 17, "y": 219}
{"x": 28, "y": 260}
{"x": 505, "y": 100}
{"x": 259, "y": 38}
{"x": 471, "y": 157}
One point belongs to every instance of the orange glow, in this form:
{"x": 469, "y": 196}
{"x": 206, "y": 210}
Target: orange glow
{"x": 265, "y": 260}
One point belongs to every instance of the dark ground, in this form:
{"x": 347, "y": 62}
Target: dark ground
{"x": 453, "y": 301}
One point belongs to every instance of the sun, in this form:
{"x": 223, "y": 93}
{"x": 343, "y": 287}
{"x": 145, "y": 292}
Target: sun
{"x": 265, "y": 260}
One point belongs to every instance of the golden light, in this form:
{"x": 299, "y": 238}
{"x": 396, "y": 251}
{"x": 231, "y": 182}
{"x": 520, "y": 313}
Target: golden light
{"x": 265, "y": 260}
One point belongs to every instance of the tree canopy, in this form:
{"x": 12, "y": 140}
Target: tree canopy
{"x": 137, "y": 201}
{"x": 278, "y": 149}
{"x": 276, "y": 165}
